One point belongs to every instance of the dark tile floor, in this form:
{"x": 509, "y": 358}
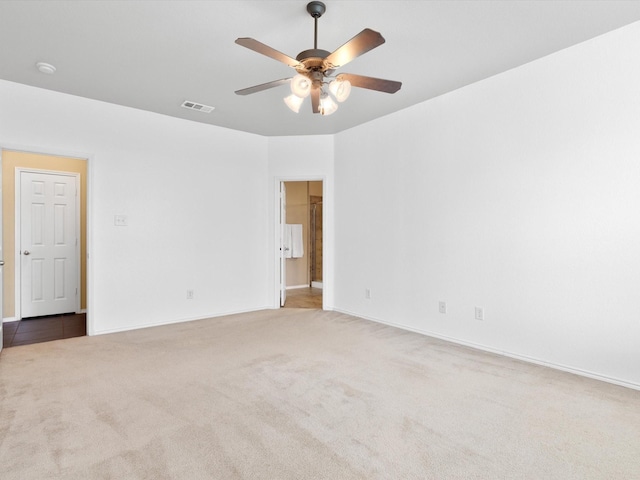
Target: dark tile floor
{"x": 43, "y": 329}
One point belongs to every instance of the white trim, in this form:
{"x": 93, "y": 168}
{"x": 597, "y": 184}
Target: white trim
{"x": 294, "y": 287}
{"x": 504, "y": 353}
{"x": 316, "y": 285}
{"x": 179, "y": 320}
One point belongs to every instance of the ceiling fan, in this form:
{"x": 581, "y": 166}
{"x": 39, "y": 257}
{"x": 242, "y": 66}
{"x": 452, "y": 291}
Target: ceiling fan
{"x": 315, "y": 66}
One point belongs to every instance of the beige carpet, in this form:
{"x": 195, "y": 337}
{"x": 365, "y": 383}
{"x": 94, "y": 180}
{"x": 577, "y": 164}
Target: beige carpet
{"x": 302, "y": 394}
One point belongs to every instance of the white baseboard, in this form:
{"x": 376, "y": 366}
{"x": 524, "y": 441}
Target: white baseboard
{"x": 313, "y": 284}
{"x": 171, "y": 322}
{"x": 477, "y": 346}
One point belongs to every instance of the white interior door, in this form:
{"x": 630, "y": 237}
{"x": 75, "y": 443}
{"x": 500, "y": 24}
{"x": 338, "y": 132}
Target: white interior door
{"x": 283, "y": 265}
{"x": 48, "y": 243}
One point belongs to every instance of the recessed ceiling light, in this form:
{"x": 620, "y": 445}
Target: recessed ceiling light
{"x": 46, "y": 68}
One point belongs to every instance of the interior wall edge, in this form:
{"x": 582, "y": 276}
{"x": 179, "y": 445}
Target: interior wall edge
{"x": 286, "y": 164}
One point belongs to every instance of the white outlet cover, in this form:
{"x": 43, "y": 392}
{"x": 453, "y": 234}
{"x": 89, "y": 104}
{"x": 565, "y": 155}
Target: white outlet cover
{"x": 479, "y": 313}
{"x": 442, "y": 307}
{"x": 120, "y": 220}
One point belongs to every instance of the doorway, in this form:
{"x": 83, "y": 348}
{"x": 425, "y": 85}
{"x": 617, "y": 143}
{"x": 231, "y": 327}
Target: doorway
{"x": 12, "y": 163}
{"x": 302, "y": 244}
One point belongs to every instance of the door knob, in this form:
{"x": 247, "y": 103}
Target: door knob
{"x": 27, "y": 252}
{"x": 1, "y": 263}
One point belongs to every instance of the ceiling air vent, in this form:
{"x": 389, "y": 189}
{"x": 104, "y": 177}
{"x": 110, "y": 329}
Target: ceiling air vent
{"x": 197, "y": 106}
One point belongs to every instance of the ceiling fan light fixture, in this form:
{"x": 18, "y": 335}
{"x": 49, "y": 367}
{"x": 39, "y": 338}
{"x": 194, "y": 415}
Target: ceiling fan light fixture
{"x": 341, "y": 89}
{"x": 293, "y": 102}
{"x": 301, "y": 85}
{"x": 314, "y": 67}
{"x": 327, "y": 105}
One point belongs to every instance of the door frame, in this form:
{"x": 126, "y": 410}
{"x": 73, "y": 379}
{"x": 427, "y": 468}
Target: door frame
{"x": 2, "y": 263}
{"x": 276, "y": 239}
{"x": 89, "y": 158}
{"x": 18, "y": 234}
{"x": 283, "y": 257}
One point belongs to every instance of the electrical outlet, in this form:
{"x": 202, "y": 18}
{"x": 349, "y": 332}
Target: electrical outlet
{"x": 189, "y": 294}
{"x": 120, "y": 220}
{"x": 479, "y": 313}
{"x": 442, "y": 307}
{"x": 367, "y": 293}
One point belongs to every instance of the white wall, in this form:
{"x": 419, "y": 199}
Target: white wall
{"x": 519, "y": 194}
{"x": 194, "y": 196}
{"x": 294, "y": 159}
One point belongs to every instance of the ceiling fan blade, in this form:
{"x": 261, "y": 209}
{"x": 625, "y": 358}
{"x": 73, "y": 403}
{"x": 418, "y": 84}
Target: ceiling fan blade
{"x": 260, "y": 47}
{"x": 387, "y": 86}
{"x": 363, "y": 42}
{"x": 315, "y": 100}
{"x": 263, "y": 86}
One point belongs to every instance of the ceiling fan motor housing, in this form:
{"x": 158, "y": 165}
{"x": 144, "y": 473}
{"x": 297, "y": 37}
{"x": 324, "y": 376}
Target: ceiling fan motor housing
{"x": 312, "y": 55}
{"x": 314, "y": 65}
{"x": 313, "y": 59}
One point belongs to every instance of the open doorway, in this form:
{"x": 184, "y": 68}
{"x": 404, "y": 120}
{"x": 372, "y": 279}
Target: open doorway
{"x": 52, "y": 292}
{"x": 302, "y": 245}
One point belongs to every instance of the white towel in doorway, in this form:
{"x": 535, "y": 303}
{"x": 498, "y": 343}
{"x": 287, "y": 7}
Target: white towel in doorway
{"x": 293, "y": 242}
{"x": 286, "y": 241}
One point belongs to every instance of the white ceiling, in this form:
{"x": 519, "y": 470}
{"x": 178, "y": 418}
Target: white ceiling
{"x": 153, "y": 55}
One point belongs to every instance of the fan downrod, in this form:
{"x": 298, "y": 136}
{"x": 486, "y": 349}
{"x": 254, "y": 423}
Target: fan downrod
{"x": 316, "y": 9}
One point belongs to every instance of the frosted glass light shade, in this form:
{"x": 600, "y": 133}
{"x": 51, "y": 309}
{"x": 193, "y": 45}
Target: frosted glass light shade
{"x": 327, "y": 105}
{"x": 293, "y": 102}
{"x": 340, "y": 89}
{"x": 301, "y": 85}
